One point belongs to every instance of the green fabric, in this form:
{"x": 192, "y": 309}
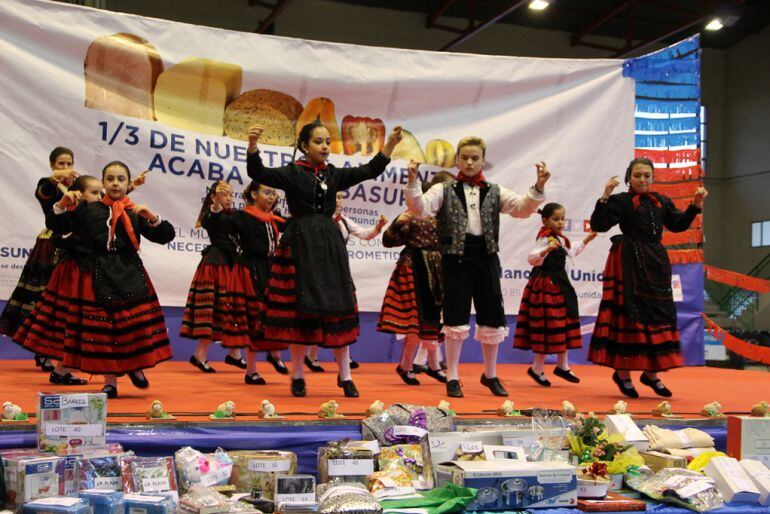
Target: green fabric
{"x": 444, "y": 500}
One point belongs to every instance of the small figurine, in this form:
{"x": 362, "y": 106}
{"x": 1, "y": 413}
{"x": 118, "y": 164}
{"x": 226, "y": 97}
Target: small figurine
{"x": 760, "y": 409}
{"x": 712, "y": 410}
{"x": 157, "y": 412}
{"x": 225, "y": 410}
{"x": 620, "y": 407}
{"x": 568, "y": 409}
{"x": 508, "y": 409}
{"x": 329, "y": 410}
{"x": 268, "y": 411}
{"x": 12, "y": 412}
{"x": 663, "y": 410}
{"x": 376, "y": 408}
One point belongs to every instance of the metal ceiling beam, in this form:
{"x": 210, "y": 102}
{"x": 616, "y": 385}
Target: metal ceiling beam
{"x": 671, "y": 7}
{"x": 475, "y": 29}
{"x": 598, "y": 22}
{"x": 278, "y": 9}
{"x": 664, "y": 35}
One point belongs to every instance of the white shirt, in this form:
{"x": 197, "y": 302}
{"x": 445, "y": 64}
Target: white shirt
{"x": 428, "y": 204}
{"x": 535, "y": 259}
{"x": 349, "y": 228}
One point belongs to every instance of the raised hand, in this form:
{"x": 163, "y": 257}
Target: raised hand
{"x": 700, "y": 195}
{"x": 543, "y": 174}
{"x": 411, "y": 170}
{"x": 65, "y": 176}
{"x": 140, "y": 180}
{"x": 590, "y": 237}
{"x": 610, "y": 186}
{"x": 70, "y": 198}
{"x": 255, "y": 131}
{"x": 381, "y": 221}
{"x": 394, "y": 138}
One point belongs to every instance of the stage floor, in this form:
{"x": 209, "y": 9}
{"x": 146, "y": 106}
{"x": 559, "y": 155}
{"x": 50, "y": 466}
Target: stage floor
{"x": 191, "y": 395}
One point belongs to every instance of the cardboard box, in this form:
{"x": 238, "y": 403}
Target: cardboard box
{"x": 70, "y": 422}
{"x": 508, "y": 485}
{"x": 732, "y": 481}
{"x": 749, "y": 438}
{"x": 31, "y": 478}
{"x": 444, "y": 445}
{"x": 623, "y": 424}
{"x": 658, "y": 460}
{"x": 760, "y": 475}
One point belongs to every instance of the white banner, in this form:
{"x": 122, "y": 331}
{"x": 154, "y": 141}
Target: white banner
{"x": 167, "y": 97}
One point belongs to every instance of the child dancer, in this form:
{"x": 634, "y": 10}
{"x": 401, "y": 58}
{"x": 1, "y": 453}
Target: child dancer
{"x": 548, "y": 319}
{"x": 310, "y": 298}
{"x": 468, "y": 218}
{"x": 50, "y": 344}
{"x": 348, "y": 228}
{"x": 42, "y": 260}
{"x": 207, "y": 300}
{"x": 412, "y": 303}
{"x": 114, "y": 323}
{"x": 257, "y": 230}
{"x": 636, "y": 325}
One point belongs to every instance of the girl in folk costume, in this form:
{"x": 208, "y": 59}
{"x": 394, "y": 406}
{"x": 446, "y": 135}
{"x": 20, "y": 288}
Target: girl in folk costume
{"x": 311, "y": 298}
{"x": 548, "y": 320}
{"x": 256, "y": 228}
{"x": 42, "y": 260}
{"x": 208, "y": 298}
{"x": 50, "y": 344}
{"x": 636, "y": 325}
{"x": 114, "y": 323}
{"x": 348, "y": 228}
{"x": 412, "y": 303}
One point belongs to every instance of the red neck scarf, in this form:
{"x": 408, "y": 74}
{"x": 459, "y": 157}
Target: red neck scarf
{"x": 338, "y": 217}
{"x": 119, "y": 212}
{"x": 307, "y": 165}
{"x": 265, "y": 217}
{"x": 546, "y": 232}
{"x": 636, "y": 198}
{"x": 476, "y": 180}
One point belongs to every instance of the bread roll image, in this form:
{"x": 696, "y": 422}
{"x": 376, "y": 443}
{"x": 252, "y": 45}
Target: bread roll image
{"x": 192, "y": 94}
{"x": 120, "y": 72}
{"x": 276, "y": 111}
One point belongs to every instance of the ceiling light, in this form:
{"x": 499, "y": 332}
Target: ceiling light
{"x": 714, "y": 24}
{"x": 538, "y": 5}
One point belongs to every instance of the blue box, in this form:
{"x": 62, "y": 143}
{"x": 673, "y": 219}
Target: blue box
{"x": 57, "y": 505}
{"x": 102, "y": 501}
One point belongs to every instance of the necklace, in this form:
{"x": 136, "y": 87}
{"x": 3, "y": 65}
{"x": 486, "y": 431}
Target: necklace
{"x": 322, "y": 183}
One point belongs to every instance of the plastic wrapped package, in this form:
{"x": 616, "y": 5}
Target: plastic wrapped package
{"x": 341, "y": 463}
{"x": 201, "y": 499}
{"x": 100, "y": 472}
{"x": 424, "y": 419}
{"x": 346, "y": 498}
{"x": 102, "y": 501}
{"x": 148, "y": 475}
{"x": 411, "y": 459}
{"x": 549, "y": 446}
{"x": 149, "y": 504}
{"x": 683, "y": 487}
{"x": 194, "y": 467}
{"x": 254, "y": 471}
{"x": 56, "y": 505}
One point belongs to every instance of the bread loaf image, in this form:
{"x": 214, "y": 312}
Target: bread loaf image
{"x": 276, "y": 111}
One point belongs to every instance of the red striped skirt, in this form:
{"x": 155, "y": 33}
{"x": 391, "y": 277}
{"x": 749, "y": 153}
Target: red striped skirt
{"x": 94, "y": 338}
{"x": 542, "y": 324}
{"x": 622, "y": 343}
{"x": 284, "y": 323}
{"x": 400, "y": 308}
{"x": 243, "y": 323}
{"x": 207, "y": 303}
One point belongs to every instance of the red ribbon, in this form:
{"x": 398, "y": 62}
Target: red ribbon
{"x": 119, "y": 208}
{"x": 263, "y": 216}
{"x": 476, "y": 180}
{"x": 636, "y": 197}
{"x": 545, "y": 232}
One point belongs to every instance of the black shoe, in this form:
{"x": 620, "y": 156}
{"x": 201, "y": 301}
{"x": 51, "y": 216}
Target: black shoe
{"x": 203, "y": 366}
{"x": 566, "y": 374}
{"x": 494, "y": 385}
{"x": 254, "y": 379}
{"x": 628, "y": 391}
{"x": 298, "y": 387}
{"x": 348, "y": 387}
{"x": 656, "y": 385}
{"x": 313, "y": 366}
{"x": 354, "y": 364}
{"x": 453, "y": 389}
{"x": 66, "y": 380}
{"x": 277, "y": 363}
{"x": 111, "y": 390}
{"x": 138, "y": 379}
{"x": 238, "y": 363}
{"x": 437, "y": 374}
{"x": 443, "y": 365}
{"x": 44, "y": 364}
{"x": 420, "y": 368}
{"x": 540, "y": 379}
{"x": 407, "y": 376}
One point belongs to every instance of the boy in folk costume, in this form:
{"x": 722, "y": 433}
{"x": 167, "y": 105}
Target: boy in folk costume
{"x": 467, "y": 211}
